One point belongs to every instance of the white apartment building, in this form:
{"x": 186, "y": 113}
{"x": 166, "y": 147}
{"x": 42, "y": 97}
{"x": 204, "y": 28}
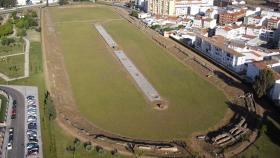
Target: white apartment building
{"x": 23, "y": 2}
{"x": 209, "y": 23}
{"x": 215, "y": 49}
{"x": 253, "y": 30}
{"x": 231, "y": 32}
{"x": 192, "y": 7}
{"x": 252, "y": 20}
{"x": 158, "y": 7}
{"x": 204, "y": 22}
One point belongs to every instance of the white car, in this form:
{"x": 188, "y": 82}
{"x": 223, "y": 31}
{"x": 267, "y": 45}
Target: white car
{"x": 31, "y": 120}
{"x": 31, "y": 102}
{"x": 32, "y": 113}
{"x": 10, "y": 146}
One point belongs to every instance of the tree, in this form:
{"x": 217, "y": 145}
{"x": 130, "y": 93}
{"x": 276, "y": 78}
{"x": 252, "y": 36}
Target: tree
{"x": 21, "y": 32}
{"x": 7, "y": 41}
{"x": 76, "y": 142}
{"x": 62, "y": 2}
{"x": 134, "y": 13}
{"x": 8, "y": 3}
{"x": 263, "y": 82}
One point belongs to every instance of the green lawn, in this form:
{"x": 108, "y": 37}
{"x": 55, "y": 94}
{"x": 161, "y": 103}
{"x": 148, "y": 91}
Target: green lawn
{"x": 268, "y": 144}
{"x": 107, "y": 96}
{"x": 3, "y": 108}
{"x": 12, "y": 49}
{"x": 12, "y": 66}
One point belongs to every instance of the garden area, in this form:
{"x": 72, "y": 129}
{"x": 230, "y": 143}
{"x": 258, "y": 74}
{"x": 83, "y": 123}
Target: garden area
{"x": 12, "y": 32}
{"x": 3, "y": 106}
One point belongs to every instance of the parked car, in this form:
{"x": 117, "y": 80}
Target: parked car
{"x": 14, "y": 111}
{"x": 11, "y": 131}
{"x": 31, "y": 102}
{"x": 31, "y": 106}
{"x": 32, "y": 145}
{"x": 33, "y": 152}
{"x": 32, "y": 132}
{"x": 31, "y": 112}
{"x": 33, "y": 140}
{"x": 14, "y": 102}
{"x": 9, "y": 146}
{"x": 32, "y": 125}
{"x": 13, "y": 116}
{"x": 32, "y": 135}
{"x": 30, "y": 97}
{"x": 11, "y": 138}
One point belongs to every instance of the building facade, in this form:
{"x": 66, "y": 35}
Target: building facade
{"x": 231, "y": 17}
{"x": 158, "y": 7}
{"x": 215, "y": 49}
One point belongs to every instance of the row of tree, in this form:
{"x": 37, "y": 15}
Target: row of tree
{"x": 8, "y": 3}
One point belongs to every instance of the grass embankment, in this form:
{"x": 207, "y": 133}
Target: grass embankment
{"x": 4, "y": 104}
{"x": 103, "y": 88}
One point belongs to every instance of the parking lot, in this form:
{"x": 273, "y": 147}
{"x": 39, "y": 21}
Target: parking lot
{"x": 23, "y": 133}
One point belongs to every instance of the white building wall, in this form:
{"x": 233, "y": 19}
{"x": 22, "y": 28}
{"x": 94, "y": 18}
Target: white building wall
{"x": 275, "y": 92}
{"x": 21, "y": 2}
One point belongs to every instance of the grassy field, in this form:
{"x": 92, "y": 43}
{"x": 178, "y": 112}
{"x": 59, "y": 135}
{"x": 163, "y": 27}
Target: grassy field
{"x": 107, "y": 96}
{"x": 268, "y": 144}
{"x": 12, "y": 66}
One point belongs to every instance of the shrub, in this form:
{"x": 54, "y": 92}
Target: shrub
{"x": 134, "y": 14}
{"x": 7, "y": 41}
{"x": 38, "y": 29}
{"x": 99, "y": 149}
{"x": 88, "y": 146}
{"x": 155, "y": 26}
{"x": 6, "y": 29}
{"x": 21, "y": 32}
{"x": 76, "y": 142}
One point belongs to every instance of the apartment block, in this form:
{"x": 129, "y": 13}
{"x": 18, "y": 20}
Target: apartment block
{"x": 231, "y": 17}
{"x": 215, "y": 49}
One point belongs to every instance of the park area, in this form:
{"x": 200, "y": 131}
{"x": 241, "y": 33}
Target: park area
{"x": 107, "y": 96}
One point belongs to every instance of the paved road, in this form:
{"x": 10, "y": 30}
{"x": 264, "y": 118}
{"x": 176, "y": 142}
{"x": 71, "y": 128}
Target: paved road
{"x": 18, "y": 124}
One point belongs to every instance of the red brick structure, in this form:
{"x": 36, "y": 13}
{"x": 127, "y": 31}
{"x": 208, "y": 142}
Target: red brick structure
{"x": 228, "y": 18}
